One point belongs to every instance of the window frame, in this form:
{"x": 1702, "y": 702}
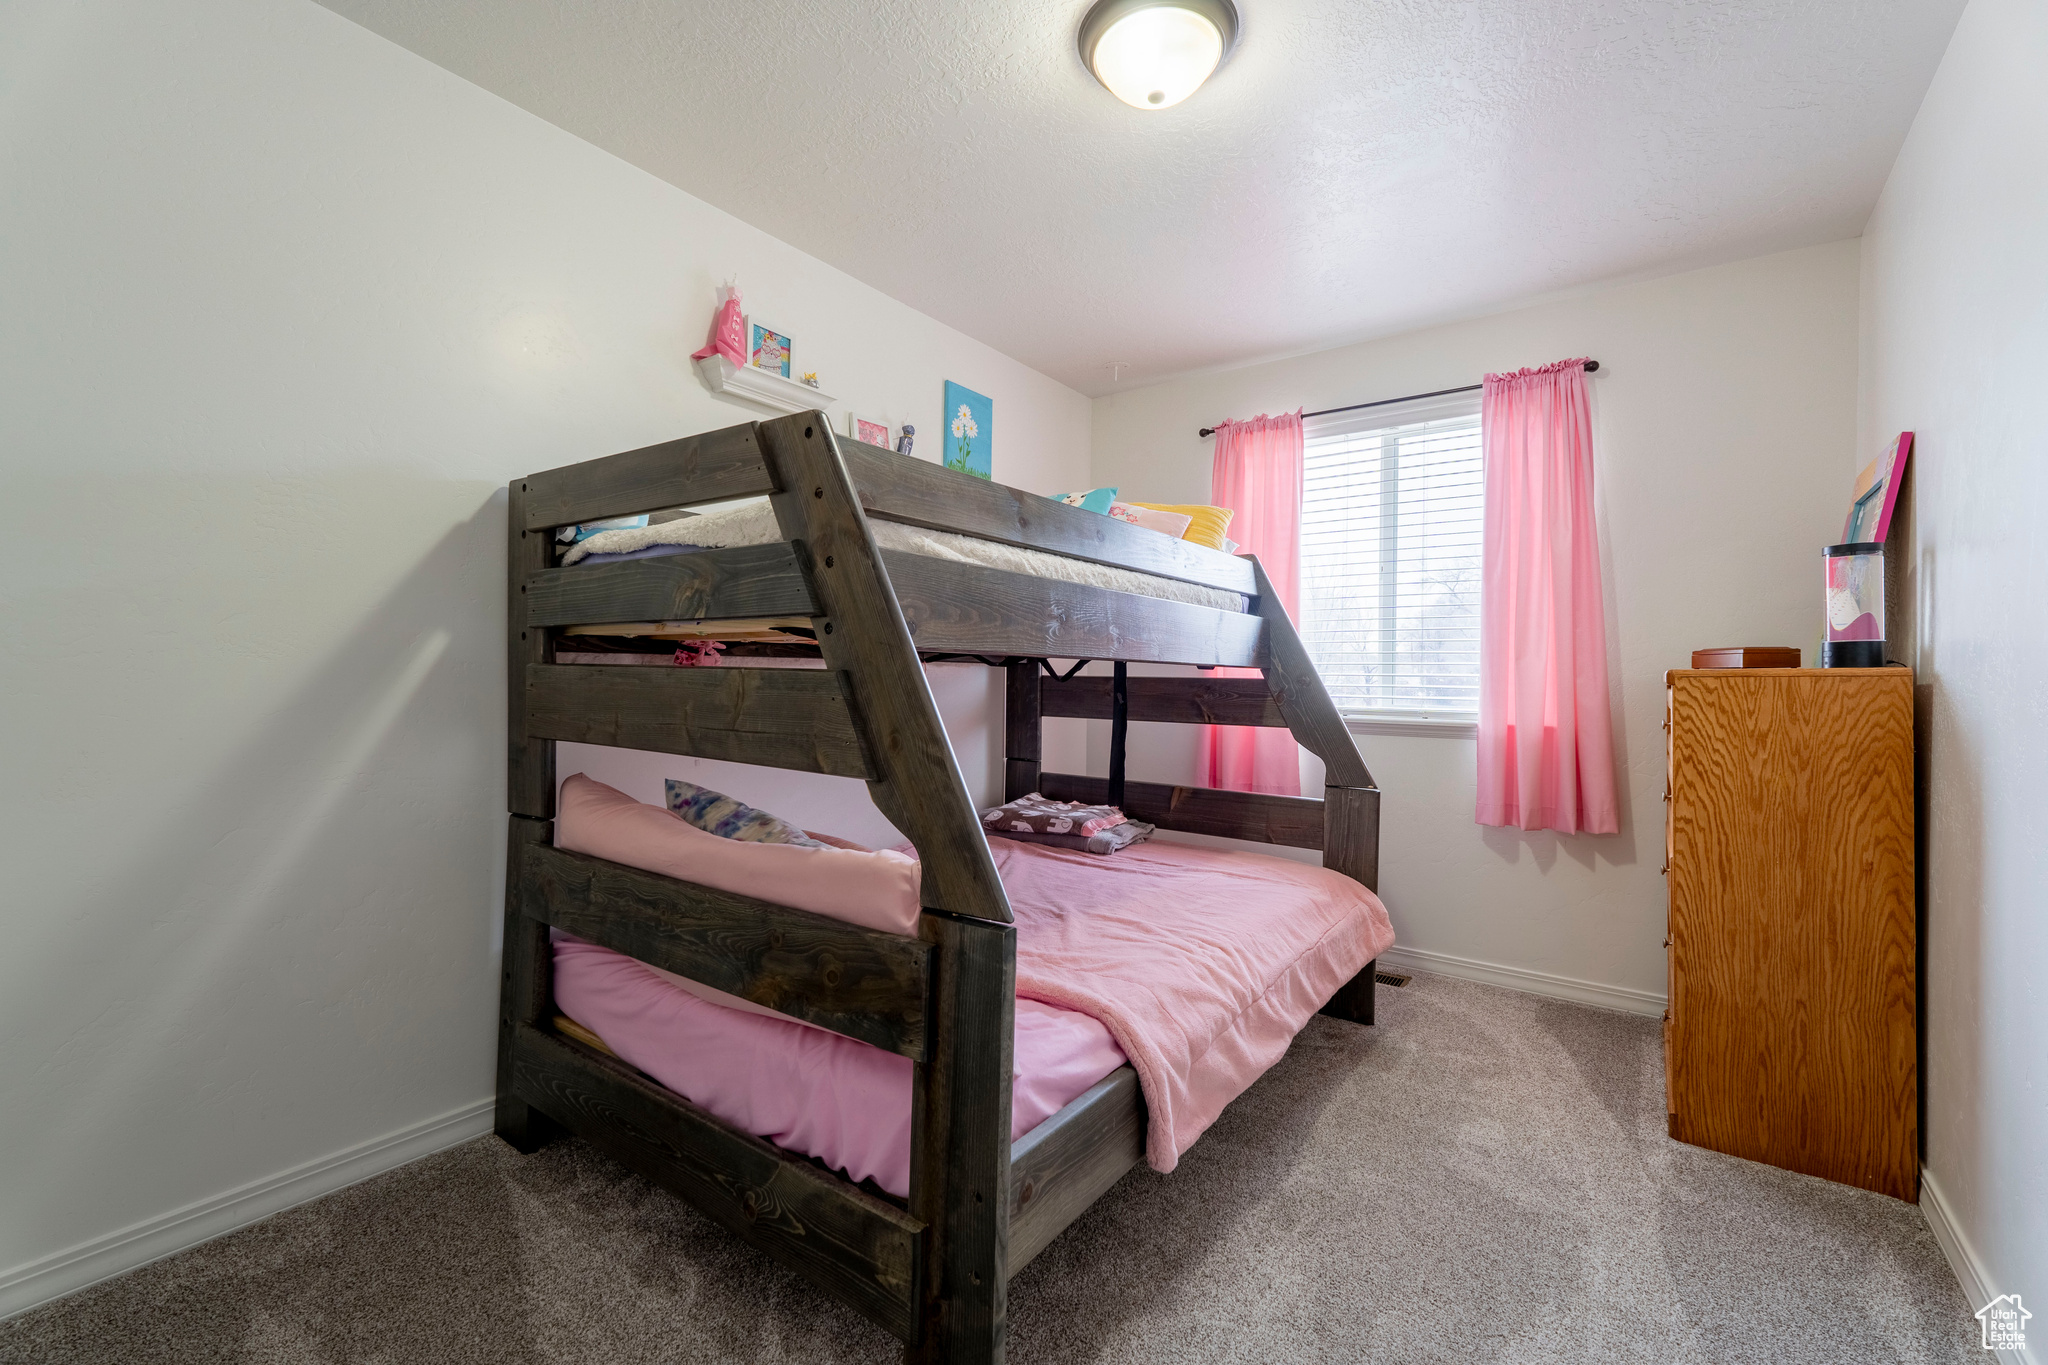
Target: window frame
{"x": 1387, "y": 419}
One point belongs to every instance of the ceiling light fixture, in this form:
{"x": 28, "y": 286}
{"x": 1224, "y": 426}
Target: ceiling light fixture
{"x": 1152, "y": 54}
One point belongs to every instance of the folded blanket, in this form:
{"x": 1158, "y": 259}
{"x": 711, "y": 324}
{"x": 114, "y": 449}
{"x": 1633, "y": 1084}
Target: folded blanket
{"x": 1108, "y": 841}
{"x": 1036, "y": 814}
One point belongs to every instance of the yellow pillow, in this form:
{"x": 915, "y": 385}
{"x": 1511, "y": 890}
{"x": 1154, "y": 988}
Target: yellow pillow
{"x": 1207, "y": 525}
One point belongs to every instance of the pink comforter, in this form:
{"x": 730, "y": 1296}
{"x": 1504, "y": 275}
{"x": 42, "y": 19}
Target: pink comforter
{"x": 1203, "y": 963}
{"x": 1197, "y": 965}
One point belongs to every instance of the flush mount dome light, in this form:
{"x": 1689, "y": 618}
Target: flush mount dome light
{"x": 1152, "y": 54}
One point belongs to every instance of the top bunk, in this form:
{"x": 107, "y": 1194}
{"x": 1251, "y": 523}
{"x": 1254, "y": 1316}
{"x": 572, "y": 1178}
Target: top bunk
{"x": 867, "y": 608}
{"x": 976, "y": 568}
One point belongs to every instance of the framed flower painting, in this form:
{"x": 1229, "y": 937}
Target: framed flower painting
{"x": 966, "y": 439}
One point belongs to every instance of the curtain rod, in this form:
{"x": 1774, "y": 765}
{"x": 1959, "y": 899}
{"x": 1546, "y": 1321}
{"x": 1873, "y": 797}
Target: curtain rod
{"x": 1591, "y": 366}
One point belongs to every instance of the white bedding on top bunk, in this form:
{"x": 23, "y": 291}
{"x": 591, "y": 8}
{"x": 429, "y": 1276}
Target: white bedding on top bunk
{"x": 754, "y": 524}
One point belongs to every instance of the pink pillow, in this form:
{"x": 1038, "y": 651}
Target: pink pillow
{"x": 874, "y": 890}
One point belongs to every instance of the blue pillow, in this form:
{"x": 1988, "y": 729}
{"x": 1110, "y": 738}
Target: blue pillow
{"x": 1094, "y": 500}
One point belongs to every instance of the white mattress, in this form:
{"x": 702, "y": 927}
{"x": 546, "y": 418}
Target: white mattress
{"x": 754, "y": 524}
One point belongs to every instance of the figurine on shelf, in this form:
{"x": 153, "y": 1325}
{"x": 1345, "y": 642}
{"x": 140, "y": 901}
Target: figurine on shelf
{"x": 811, "y": 378}
{"x": 728, "y": 332}
{"x": 903, "y": 446}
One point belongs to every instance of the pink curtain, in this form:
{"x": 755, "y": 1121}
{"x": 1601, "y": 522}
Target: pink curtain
{"x": 1546, "y": 751}
{"x": 1258, "y": 476}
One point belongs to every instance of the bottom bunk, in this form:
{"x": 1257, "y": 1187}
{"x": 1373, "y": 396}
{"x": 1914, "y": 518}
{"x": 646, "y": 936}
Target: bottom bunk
{"x": 1152, "y": 986}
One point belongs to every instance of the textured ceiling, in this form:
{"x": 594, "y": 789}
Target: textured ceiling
{"x": 1355, "y": 169}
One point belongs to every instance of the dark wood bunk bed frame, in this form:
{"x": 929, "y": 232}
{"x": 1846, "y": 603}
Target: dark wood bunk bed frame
{"x": 932, "y": 1269}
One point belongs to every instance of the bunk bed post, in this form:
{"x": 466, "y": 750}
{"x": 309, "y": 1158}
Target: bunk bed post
{"x": 1023, "y": 727}
{"x": 1351, "y": 801}
{"x": 526, "y": 968}
{"x": 960, "y": 1135}
{"x": 526, "y": 995}
{"x": 530, "y": 763}
{"x": 960, "y": 1144}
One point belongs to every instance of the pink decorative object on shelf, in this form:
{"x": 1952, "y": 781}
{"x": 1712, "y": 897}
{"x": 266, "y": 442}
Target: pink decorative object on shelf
{"x": 728, "y": 329}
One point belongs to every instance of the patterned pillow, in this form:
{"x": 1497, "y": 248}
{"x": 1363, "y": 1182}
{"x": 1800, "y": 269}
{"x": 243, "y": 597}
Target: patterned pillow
{"x": 1094, "y": 500}
{"x": 729, "y": 817}
{"x": 1173, "y": 524}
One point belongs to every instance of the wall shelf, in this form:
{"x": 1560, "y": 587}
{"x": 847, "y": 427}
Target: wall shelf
{"x": 765, "y": 387}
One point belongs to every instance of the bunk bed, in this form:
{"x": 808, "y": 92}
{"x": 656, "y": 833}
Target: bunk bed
{"x": 931, "y": 1267}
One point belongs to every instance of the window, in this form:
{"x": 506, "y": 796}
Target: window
{"x": 1390, "y": 544}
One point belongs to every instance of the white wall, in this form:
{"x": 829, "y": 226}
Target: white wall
{"x": 1724, "y": 412}
{"x": 282, "y": 307}
{"x": 1955, "y": 349}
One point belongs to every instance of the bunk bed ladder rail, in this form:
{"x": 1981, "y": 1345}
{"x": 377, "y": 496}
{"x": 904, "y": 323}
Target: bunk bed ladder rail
{"x": 1343, "y": 825}
{"x": 960, "y": 1133}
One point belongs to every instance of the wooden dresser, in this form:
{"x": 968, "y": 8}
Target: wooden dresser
{"x": 1789, "y": 846}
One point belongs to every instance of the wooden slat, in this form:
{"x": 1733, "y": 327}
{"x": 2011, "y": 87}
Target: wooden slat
{"x": 1296, "y": 821}
{"x": 525, "y": 993}
{"x": 748, "y": 580}
{"x": 969, "y": 609}
{"x": 529, "y": 762}
{"x": 1023, "y": 730}
{"x": 780, "y": 717}
{"x": 960, "y": 1148}
{"x": 1351, "y": 833}
{"x": 1069, "y": 1161}
{"x": 862, "y": 634}
{"x": 704, "y": 468}
{"x": 1351, "y": 845}
{"x": 860, "y": 982}
{"x": 860, "y": 1248}
{"x": 1302, "y": 698}
{"x": 1188, "y": 701}
{"x": 902, "y": 488}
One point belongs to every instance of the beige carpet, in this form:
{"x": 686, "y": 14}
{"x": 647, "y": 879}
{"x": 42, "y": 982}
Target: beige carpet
{"x": 1482, "y": 1177}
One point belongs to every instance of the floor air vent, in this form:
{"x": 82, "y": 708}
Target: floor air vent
{"x": 1391, "y": 978}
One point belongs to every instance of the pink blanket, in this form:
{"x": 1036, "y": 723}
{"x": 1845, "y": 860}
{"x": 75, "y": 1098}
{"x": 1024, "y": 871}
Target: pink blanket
{"x": 1203, "y": 963}
{"x": 1198, "y": 965}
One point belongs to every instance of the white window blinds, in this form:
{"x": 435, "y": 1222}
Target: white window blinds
{"x": 1391, "y": 529}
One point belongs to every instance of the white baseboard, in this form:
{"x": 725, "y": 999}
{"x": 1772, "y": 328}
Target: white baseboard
{"x": 66, "y": 1272}
{"x": 1963, "y": 1259}
{"x": 1522, "y": 979}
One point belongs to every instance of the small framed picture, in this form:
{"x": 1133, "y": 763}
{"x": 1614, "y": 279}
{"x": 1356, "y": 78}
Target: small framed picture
{"x": 866, "y": 429}
{"x": 767, "y": 349}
